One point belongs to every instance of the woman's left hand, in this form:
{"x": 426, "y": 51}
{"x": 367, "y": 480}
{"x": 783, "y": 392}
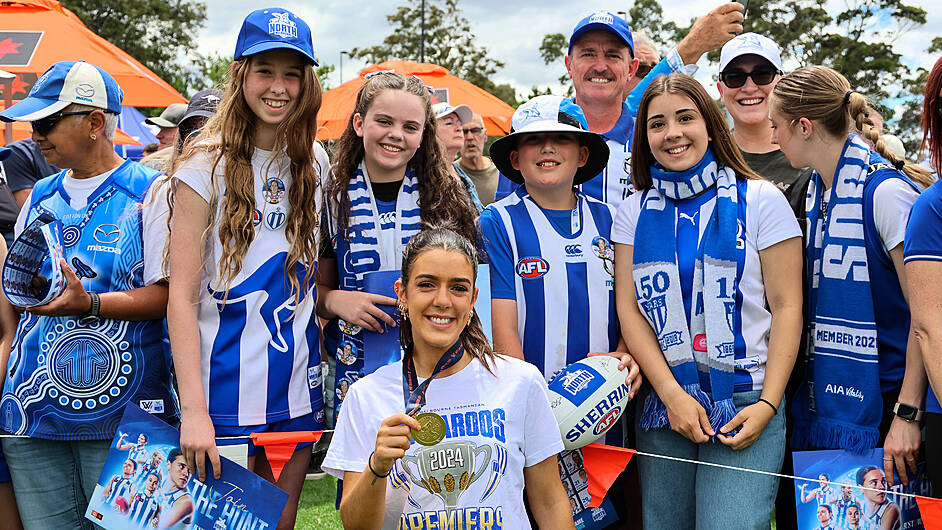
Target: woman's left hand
{"x": 750, "y": 421}
{"x": 74, "y": 300}
{"x": 633, "y": 379}
{"x": 900, "y": 449}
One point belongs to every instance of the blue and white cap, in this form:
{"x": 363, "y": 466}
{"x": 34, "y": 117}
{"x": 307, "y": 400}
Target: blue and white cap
{"x": 66, "y": 83}
{"x": 273, "y": 28}
{"x": 604, "y": 20}
{"x": 547, "y": 114}
{"x": 751, "y": 44}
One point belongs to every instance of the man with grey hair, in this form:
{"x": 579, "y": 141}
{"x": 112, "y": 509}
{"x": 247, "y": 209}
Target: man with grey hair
{"x": 480, "y": 168}
{"x": 648, "y": 56}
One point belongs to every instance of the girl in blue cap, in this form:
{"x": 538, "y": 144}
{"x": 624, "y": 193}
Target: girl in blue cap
{"x": 244, "y": 214}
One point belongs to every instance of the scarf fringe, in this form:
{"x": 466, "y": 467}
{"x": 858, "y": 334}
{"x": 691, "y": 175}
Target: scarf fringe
{"x": 826, "y": 434}
{"x": 723, "y": 412}
{"x": 654, "y": 415}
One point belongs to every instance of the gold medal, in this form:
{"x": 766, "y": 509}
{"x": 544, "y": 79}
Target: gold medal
{"x": 433, "y": 429}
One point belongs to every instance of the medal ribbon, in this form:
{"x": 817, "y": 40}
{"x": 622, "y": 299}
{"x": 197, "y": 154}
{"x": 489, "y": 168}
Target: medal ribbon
{"x": 412, "y": 391}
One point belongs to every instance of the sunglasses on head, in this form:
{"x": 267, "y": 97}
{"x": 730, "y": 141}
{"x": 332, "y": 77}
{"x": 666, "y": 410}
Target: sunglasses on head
{"x": 44, "y": 126}
{"x": 643, "y": 70}
{"x": 737, "y": 78}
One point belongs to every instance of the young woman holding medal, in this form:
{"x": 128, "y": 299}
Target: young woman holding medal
{"x": 482, "y": 422}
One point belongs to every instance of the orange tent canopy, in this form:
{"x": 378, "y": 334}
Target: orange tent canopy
{"x": 35, "y": 34}
{"x": 22, "y": 130}
{"x": 338, "y": 102}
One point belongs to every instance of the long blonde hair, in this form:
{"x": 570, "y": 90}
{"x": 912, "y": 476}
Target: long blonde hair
{"x": 823, "y": 95}
{"x": 230, "y": 133}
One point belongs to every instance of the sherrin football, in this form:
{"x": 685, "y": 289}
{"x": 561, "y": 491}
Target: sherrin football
{"x": 587, "y": 398}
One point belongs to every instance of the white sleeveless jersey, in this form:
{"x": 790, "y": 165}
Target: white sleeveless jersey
{"x": 563, "y": 285}
{"x": 258, "y": 347}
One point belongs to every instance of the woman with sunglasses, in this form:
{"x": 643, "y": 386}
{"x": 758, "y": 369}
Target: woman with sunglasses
{"x": 79, "y": 359}
{"x": 922, "y": 254}
{"x": 750, "y": 65}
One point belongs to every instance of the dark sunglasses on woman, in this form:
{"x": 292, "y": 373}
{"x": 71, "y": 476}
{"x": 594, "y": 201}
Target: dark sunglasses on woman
{"x": 737, "y": 78}
{"x": 44, "y": 126}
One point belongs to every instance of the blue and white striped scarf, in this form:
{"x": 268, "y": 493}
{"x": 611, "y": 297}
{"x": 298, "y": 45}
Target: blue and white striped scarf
{"x": 711, "y": 352}
{"x": 839, "y": 404}
{"x": 368, "y": 243}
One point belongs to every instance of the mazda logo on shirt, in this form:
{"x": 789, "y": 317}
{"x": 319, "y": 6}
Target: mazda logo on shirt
{"x": 107, "y": 234}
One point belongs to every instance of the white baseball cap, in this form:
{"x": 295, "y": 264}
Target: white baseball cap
{"x": 751, "y": 44}
{"x": 462, "y": 111}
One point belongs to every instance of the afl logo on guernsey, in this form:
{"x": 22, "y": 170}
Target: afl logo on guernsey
{"x": 532, "y": 268}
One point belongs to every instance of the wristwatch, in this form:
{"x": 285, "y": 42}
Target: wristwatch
{"x": 94, "y": 312}
{"x": 907, "y": 412}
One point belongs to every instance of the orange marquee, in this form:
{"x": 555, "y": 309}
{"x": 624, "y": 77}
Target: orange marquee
{"x": 337, "y": 104}
{"x": 35, "y": 34}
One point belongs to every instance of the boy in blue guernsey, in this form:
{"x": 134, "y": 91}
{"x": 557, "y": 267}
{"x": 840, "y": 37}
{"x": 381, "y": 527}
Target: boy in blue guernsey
{"x": 551, "y": 259}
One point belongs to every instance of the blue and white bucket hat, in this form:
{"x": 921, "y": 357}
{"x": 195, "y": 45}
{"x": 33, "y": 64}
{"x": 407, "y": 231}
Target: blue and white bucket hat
{"x": 544, "y": 114}
{"x": 63, "y": 84}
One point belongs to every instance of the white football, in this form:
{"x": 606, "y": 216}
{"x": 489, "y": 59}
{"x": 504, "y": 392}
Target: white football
{"x": 588, "y": 397}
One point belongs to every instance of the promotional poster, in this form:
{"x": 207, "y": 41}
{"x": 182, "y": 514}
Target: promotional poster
{"x": 576, "y": 481}
{"x": 146, "y": 483}
{"x": 844, "y": 506}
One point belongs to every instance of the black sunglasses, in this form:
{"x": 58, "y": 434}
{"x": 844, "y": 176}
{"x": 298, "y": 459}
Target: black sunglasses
{"x": 45, "y": 125}
{"x": 643, "y": 70}
{"x": 737, "y": 78}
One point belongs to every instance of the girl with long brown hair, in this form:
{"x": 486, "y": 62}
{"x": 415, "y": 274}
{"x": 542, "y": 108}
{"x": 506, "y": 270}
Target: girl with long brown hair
{"x": 389, "y": 178}
{"x": 708, "y": 292}
{"x": 857, "y": 316}
{"x": 500, "y": 433}
{"x": 242, "y": 256}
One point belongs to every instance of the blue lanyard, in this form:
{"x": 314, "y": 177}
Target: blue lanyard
{"x": 412, "y": 391}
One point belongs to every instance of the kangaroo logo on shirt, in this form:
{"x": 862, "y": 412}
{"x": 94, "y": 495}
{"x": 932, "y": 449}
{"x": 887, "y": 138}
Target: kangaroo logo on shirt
{"x": 282, "y": 26}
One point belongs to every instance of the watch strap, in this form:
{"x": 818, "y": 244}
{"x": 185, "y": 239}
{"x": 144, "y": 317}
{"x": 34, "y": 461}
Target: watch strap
{"x": 94, "y": 312}
{"x": 907, "y": 412}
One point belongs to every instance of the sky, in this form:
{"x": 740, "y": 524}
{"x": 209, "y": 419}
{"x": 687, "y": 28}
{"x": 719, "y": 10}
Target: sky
{"x": 339, "y": 25}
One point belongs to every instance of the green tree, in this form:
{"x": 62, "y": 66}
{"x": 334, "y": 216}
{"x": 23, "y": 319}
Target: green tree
{"x": 449, "y": 42}
{"x": 158, "y": 33}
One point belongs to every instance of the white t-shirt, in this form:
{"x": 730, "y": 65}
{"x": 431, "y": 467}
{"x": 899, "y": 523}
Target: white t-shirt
{"x": 769, "y": 220}
{"x": 154, "y": 216}
{"x": 239, "y": 344}
{"x": 497, "y": 425}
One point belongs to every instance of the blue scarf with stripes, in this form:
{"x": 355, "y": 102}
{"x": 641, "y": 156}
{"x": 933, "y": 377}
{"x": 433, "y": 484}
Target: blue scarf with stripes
{"x": 702, "y": 353}
{"x": 839, "y": 404}
{"x": 368, "y": 243}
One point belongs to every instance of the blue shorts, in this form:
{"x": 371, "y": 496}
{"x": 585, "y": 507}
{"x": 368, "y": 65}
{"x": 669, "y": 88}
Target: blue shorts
{"x": 4, "y": 470}
{"x": 308, "y": 422}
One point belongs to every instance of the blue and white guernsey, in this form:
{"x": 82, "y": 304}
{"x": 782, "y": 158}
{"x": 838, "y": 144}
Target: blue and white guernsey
{"x": 563, "y": 284}
{"x": 144, "y": 508}
{"x": 71, "y": 381}
{"x": 258, "y": 347}
{"x": 120, "y": 487}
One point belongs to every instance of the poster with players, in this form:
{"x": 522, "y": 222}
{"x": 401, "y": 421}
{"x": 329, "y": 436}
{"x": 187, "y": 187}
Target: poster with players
{"x": 146, "y": 483}
{"x": 843, "y": 505}
{"x": 576, "y": 481}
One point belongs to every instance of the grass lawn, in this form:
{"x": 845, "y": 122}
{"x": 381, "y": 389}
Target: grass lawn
{"x": 316, "y": 509}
